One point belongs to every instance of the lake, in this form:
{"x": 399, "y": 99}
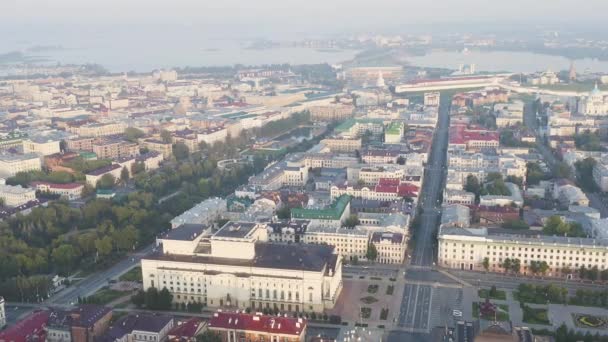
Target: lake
{"x": 492, "y": 61}
{"x": 145, "y": 56}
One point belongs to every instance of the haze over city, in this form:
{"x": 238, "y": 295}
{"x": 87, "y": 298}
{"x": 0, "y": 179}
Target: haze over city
{"x": 303, "y": 171}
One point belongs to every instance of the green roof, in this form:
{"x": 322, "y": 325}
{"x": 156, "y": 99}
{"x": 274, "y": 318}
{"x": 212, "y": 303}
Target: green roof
{"x": 333, "y": 212}
{"x": 88, "y": 155}
{"x": 393, "y": 128}
{"x": 345, "y": 126}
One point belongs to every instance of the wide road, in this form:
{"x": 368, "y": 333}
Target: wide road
{"x": 417, "y": 298}
{"x": 97, "y": 280}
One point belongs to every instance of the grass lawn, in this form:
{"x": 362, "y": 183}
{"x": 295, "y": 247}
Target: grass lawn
{"x": 105, "y": 296}
{"x": 499, "y": 295}
{"x": 535, "y": 316}
{"x": 502, "y": 314}
{"x": 133, "y": 275}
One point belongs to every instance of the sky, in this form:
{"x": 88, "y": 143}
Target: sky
{"x": 276, "y": 17}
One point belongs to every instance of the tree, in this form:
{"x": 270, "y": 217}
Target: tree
{"x": 372, "y": 252}
{"x": 351, "y": 221}
{"x": 165, "y": 298}
{"x": 284, "y": 213}
{"x": 584, "y": 174}
{"x": 515, "y": 224}
{"x": 486, "y": 263}
{"x": 104, "y": 246}
{"x": 64, "y": 258}
{"x": 124, "y": 175}
{"x": 166, "y": 136}
{"x": 516, "y": 265}
{"x": 401, "y": 160}
{"x": 180, "y": 151}
{"x": 472, "y": 185}
{"x": 209, "y": 336}
{"x": 133, "y": 134}
{"x": 534, "y": 174}
{"x": 106, "y": 181}
{"x": 563, "y": 170}
{"x": 506, "y": 264}
{"x": 139, "y": 299}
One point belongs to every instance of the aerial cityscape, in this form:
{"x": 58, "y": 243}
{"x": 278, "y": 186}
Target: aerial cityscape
{"x": 281, "y": 172}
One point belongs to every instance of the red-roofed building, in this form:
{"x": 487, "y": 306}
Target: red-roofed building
{"x": 473, "y": 138}
{"x": 496, "y": 215}
{"x": 248, "y": 327}
{"x": 187, "y": 331}
{"x": 28, "y": 329}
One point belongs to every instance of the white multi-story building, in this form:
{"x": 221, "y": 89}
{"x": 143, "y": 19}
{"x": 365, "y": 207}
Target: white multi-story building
{"x": 390, "y": 247}
{"x": 94, "y": 176}
{"x": 237, "y": 267}
{"x": 454, "y": 196}
{"x": 16, "y": 195}
{"x": 351, "y": 244}
{"x": 515, "y": 198}
{"x": 212, "y": 135}
{"x": 206, "y": 213}
{"x": 466, "y": 248}
{"x": 594, "y": 104}
{"x": 70, "y": 191}
{"x": 41, "y": 146}
{"x": 11, "y": 164}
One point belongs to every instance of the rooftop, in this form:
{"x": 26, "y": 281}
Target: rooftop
{"x": 235, "y": 230}
{"x": 333, "y": 212}
{"x": 185, "y": 232}
{"x": 302, "y": 257}
{"x": 259, "y": 323}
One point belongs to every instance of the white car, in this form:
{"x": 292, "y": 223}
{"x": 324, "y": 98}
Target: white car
{"x": 457, "y": 313}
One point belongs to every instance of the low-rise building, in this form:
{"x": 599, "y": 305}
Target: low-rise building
{"x": 390, "y": 247}
{"x": 82, "y": 324}
{"x": 166, "y": 149}
{"x": 206, "y": 213}
{"x": 339, "y": 144}
{"x": 94, "y": 176}
{"x": 235, "y": 326}
{"x": 466, "y": 248}
{"x": 115, "y": 148}
{"x": 11, "y": 164}
{"x": 70, "y": 191}
{"x": 140, "y": 327}
{"x": 332, "y": 216}
{"x": 350, "y": 244}
{"x": 30, "y": 328}
{"x": 42, "y": 145}
{"x": 15, "y": 195}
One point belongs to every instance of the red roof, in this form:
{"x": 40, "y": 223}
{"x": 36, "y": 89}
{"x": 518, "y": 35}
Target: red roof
{"x": 28, "y": 329}
{"x": 460, "y": 134}
{"x": 388, "y": 181}
{"x": 187, "y": 329}
{"x": 259, "y": 323}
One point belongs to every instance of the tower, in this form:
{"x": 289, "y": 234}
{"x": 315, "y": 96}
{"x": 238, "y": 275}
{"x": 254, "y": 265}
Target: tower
{"x": 572, "y": 72}
{"x": 380, "y": 81}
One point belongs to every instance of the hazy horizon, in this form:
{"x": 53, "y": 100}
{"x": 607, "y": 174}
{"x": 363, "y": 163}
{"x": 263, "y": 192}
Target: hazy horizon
{"x": 291, "y": 19}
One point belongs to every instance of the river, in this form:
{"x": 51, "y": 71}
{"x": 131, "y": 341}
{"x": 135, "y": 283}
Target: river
{"x": 510, "y": 61}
